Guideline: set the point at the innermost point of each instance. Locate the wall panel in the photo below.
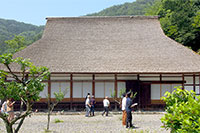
(120, 86)
(44, 93)
(109, 86)
(77, 90)
(99, 89)
(155, 91)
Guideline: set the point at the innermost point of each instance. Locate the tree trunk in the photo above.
(48, 120)
(19, 125)
(49, 113)
(21, 107)
(9, 128)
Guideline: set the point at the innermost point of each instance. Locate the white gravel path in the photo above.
(144, 123)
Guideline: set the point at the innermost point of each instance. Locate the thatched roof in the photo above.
(133, 44)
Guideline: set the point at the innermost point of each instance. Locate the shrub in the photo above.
(183, 111)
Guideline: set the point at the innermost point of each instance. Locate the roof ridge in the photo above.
(90, 17)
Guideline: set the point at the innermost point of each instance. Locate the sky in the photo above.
(35, 11)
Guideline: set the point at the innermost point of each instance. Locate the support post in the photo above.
(49, 87)
(194, 86)
(93, 85)
(160, 77)
(139, 102)
(116, 90)
(199, 84)
(71, 90)
(183, 81)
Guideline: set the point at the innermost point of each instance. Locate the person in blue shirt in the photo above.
(128, 111)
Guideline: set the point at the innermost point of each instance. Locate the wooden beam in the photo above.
(121, 72)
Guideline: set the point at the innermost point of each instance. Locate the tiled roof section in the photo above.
(131, 44)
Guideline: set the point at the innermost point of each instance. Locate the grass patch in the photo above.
(58, 121)
(47, 131)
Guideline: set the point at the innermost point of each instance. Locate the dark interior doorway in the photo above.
(143, 90)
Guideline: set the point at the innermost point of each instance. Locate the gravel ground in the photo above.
(144, 123)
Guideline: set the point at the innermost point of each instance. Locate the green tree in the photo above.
(10, 28)
(179, 20)
(25, 86)
(113, 95)
(183, 111)
(16, 44)
(51, 104)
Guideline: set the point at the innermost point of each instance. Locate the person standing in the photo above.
(10, 109)
(92, 102)
(87, 106)
(123, 110)
(4, 107)
(87, 95)
(128, 111)
(106, 105)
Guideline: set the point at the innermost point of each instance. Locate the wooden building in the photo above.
(96, 54)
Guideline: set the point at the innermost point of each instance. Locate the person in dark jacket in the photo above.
(128, 111)
(92, 102)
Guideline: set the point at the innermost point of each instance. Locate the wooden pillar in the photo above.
(183, 81)
(199, 84)
(160, 77)
(116, 90)
(194, 86)
(93, 85)
(139, 102)
(49, 87)
(71, 91)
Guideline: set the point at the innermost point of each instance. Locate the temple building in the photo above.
(101, 55)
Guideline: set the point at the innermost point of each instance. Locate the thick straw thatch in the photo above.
(133, 44)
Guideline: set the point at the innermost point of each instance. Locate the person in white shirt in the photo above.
(4, 107)
(87, 105)
(123, 110)
(106, 105)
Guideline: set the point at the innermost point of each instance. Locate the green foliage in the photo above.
(180, 20)
(26, 89)
(153, 9)
(60, 95)
(183, 111)
(11, 28)
(121, 92)
(25, 86)
(133, 95)
(16, 44)
(196, 23)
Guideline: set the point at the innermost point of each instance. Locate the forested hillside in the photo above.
(135, 8)
(10, 28)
